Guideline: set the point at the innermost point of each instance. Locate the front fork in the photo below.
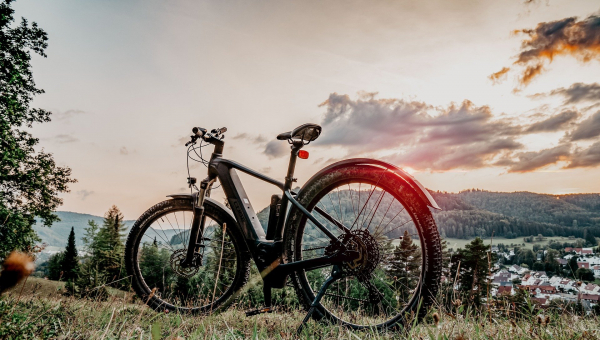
(198, 222)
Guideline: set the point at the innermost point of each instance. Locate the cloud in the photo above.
(533, 160)
(499, 76)
(576, 93)
(272, 149)
(589, 157)
(260, 139)
(65, 139)
(440, 138)
(436, 138)
(65, 115)
(441, 157)
(555, 123)
(569, 36)
(587, 129)
(276, 149)
(83, 194)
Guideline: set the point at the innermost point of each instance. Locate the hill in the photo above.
(465, 215)
(473, 213)
(56, 236)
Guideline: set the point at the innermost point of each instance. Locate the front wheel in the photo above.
(399, 269)
(157, 243)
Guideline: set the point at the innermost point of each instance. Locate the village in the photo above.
(543, 288)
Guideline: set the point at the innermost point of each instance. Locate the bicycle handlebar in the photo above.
(215, 135)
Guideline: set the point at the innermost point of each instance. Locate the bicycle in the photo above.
(347, 265)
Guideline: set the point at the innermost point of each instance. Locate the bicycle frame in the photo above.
(266, 250)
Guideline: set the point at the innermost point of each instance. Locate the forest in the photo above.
(474, 212)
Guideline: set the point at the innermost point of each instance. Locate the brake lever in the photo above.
(193, 141)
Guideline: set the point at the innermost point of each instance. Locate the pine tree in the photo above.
(105, 260)
(474, 270)
(90, 280)
(404, 266)
(54, 266)
(70, 262)
(109, 252)
(590, 239)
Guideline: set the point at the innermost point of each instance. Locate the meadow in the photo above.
(38, 309)
(460, 243)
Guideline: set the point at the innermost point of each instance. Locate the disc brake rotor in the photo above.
(175, 262)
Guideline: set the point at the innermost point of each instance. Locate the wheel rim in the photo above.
(163, 242)
(393, 285)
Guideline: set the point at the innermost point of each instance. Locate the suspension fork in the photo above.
(198, 222)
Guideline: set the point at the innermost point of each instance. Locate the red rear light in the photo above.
(303, 154)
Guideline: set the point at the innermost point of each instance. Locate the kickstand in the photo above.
(336, 273)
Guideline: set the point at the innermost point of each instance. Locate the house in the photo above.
(564, 283)
(502, 277)
(517, 269)
(593, 299)
(591, 260)
(541, 275)
(590, 288)
(579, 251)
(538, 290)
(587, 251)
(540, 301)
(583, 265)
(596, 271)
(562, 262)
(505, 290)
(568, 297)
(572, 285)
(555, 281)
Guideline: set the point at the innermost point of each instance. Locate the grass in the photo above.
(44, 313)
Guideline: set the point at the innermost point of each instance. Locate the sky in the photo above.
(496, 95)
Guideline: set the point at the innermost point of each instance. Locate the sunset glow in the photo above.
(443, 89)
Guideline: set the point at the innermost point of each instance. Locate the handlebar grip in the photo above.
(198, 131)
(221, 130)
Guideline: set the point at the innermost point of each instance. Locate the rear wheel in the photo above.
(400, 264)
(157, 243)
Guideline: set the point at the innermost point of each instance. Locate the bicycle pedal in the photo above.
(260, 311)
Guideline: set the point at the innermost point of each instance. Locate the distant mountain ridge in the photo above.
(472, 213)
(465, 214)
(56, 236)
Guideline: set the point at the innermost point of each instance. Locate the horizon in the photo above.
(459, 94)
(444, 192)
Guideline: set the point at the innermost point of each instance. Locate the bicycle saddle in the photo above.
(306, 132)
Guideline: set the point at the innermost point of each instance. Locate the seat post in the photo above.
(289, 179)
(277, 235)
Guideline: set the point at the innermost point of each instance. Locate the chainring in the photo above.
(175, 261)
